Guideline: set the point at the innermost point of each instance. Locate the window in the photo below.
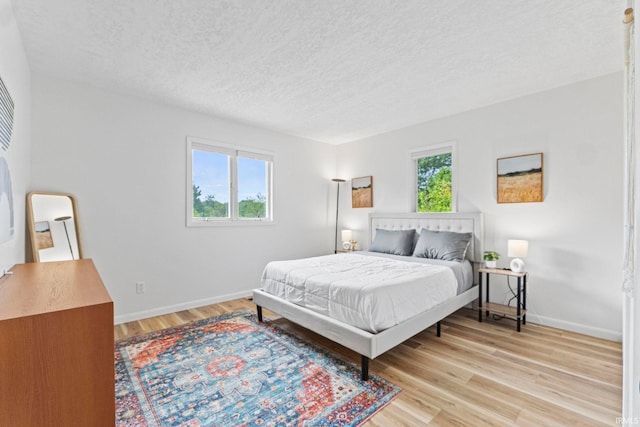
(226, 184)
(435, 178)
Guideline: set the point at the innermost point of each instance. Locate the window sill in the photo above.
(228, 223)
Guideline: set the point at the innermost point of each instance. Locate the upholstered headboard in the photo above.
(459, 222)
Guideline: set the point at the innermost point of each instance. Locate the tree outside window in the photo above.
(434, 183)
(435, 177)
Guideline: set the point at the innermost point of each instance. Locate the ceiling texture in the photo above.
(328, 70)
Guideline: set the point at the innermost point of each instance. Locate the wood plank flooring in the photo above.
(476, 374)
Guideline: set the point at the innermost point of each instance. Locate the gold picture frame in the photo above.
(362, 192)
(520, 179)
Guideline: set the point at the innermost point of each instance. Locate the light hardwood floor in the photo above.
(475, 374)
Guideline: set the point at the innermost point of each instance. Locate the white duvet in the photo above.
(370, 293)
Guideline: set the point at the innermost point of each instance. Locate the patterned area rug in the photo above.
(235, 371)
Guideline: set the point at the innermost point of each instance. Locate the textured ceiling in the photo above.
(328, 70)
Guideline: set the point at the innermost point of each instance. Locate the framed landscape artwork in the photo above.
(43, 235)
(362, 192)
(520, 179)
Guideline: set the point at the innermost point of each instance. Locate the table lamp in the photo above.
(347, 240)
(517, 249)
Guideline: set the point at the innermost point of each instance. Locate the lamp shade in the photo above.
(517, 248)
(347, 235)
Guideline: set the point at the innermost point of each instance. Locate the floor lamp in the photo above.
(338, 181)
(64, 222)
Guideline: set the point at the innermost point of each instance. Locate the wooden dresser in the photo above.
(56, 346)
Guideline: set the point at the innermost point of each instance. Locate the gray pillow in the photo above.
(397, 242)
(445, 245)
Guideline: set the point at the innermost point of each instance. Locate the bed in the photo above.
(313, 308)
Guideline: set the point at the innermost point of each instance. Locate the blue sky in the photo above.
(519, 163)
(211, 174)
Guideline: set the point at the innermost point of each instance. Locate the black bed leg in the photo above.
(259, 312)
(438, 328)
(365, 368)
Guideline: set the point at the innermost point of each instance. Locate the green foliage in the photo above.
(198, 207)
(253, 208)
(211, 208)
(491, 256)
(434, 183)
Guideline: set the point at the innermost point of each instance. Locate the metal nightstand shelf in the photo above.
(519, 312)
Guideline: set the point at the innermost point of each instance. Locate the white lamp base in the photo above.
(517, 265)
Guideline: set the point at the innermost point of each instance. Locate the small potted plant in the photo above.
(490, 258)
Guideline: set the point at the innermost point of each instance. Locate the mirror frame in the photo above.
(32, 226)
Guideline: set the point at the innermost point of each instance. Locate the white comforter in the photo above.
(370, 293)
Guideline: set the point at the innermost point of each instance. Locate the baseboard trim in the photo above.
(138, 315)
(575, 327)
(531, 317)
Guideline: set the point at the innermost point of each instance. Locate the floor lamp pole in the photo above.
(64, 219)
(335, 245)
(68, 240)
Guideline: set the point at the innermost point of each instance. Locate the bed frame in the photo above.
(370, 345)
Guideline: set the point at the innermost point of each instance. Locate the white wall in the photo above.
(575, 235)
(124, 159)
(14, 71)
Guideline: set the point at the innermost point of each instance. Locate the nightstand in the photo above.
(519, 312)
(344, 251)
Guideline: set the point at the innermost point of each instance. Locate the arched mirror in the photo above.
(53, 224)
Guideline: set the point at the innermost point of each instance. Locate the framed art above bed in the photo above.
(362, 192)
(520, 179)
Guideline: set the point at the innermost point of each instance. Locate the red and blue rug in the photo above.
(232, 370)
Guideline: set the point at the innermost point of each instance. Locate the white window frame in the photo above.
(434, 150)
(233, 152)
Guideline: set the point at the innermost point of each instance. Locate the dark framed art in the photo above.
(520, 178)
(362, 192)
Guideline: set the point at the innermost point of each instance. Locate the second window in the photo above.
(228, 184)
(435, 178)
